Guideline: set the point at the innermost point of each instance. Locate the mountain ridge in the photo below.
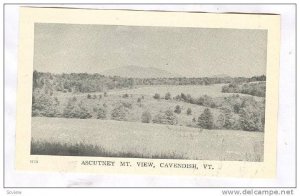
(133, 71)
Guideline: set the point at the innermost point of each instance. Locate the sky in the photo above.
(189, 52)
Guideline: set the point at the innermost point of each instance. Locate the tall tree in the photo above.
(206, 120)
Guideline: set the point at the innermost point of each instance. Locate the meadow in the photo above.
(105, 138)
(214, 90)
(94, 115)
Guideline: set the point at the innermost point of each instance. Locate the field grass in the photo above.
(148, 103)
(214, 90)
(193, 90)
(92, 137)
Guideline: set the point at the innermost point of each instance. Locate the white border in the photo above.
(286, 123)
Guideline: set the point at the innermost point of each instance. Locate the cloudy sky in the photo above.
(190, 52)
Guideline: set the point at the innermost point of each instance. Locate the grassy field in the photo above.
(133, 139)
(193, 90)
(148, 103)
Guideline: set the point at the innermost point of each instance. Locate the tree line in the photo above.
(86, 83)
(255, 89)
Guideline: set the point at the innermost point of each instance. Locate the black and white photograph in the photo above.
(148, 92)
(198, 96)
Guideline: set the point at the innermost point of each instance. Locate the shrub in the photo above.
(189, 99)
(139, 100)
(89, 96)
(189, 111)
(236, 108)
(73, 110)
(146, 117)
(250, 119)
(119, 113)
(105, 94)
(168, 96)
(177, 98)
(220, 121)
(94, 96)
(255, 89)
(100, 96)
(177, 109)
(229, 120)
(127, 105)
(156, 96)
(45, 105)
(166, 117)
(101, 113)
(125, 95)
(183, 96)
(205, 120)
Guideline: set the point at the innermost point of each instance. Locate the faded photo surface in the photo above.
(149, 92)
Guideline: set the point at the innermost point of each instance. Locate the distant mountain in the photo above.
(139, 72)
(220, 76)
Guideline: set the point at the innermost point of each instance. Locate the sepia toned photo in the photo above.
(148, 92)
(166, 93)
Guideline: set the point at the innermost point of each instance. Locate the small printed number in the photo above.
(34, 161)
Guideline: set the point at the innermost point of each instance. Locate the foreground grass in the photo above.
(80, 149)
(110, 138)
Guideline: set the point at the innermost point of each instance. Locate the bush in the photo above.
(220, 121)
(255, 89)
(100, 96)
(101, 113)
(168, 96)
(189, 111)
(199, 101)
(94, 96)
(127, 105)
(177, 98)
(205, 120)
(139, 100)
(166, 117)
(183, 96)
(105, 94)
(89, 96)
(229, 120)
(125, 95)
(177, 109)
(73, 110)
(156, 96)
(146, 117)
(45, 105)
(250, 119)
(119, 113)
(236, 108)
